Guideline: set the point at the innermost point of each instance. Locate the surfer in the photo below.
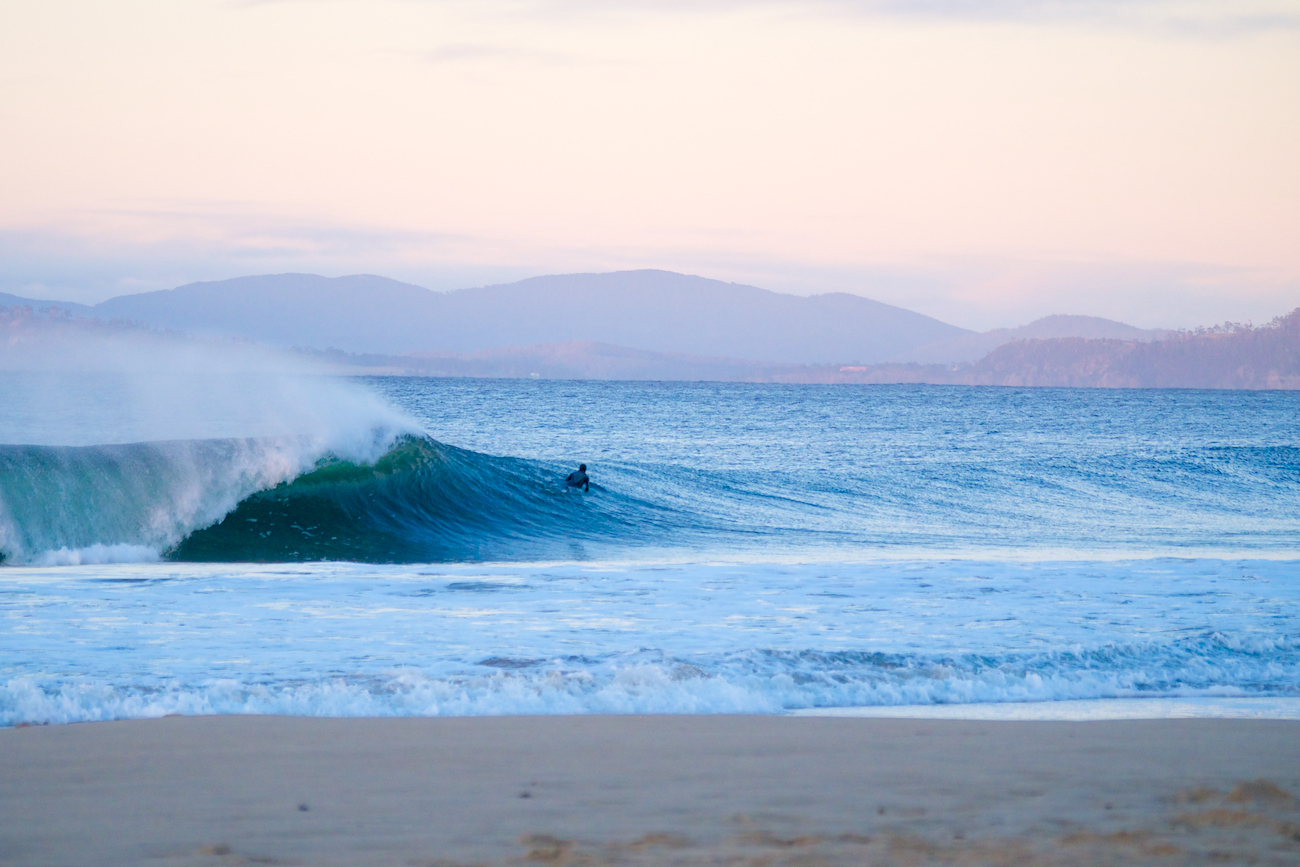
(579, 479)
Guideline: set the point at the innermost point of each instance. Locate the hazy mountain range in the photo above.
(727, 333)
(638, 311)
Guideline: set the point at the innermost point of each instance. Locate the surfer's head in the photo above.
(582, 468)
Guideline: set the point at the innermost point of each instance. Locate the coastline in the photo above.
(1082, 710)
(649, 789)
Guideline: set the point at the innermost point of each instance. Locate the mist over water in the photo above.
(71, 386)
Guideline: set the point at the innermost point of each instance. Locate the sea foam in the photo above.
(93, 555)
(354, 640)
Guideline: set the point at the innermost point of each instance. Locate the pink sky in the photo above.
(983, 162)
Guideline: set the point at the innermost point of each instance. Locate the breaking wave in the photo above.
(390, 497)
(754, 681)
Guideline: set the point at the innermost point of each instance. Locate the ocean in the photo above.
(408, 547)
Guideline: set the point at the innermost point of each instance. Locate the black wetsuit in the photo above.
(579, 479)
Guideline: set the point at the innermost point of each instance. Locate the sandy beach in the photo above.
(649, 790)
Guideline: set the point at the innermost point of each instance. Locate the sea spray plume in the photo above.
(211, 422)
(87, 382)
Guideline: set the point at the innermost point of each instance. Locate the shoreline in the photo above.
(1052, 710)
(703, 789)
(1081, 710)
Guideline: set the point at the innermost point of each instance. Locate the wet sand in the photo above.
(590, 790)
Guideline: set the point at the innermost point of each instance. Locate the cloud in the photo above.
(1178, 18)
(466, 52)
(109, 253)
(1198, 18)
(1174, 17)
(239, 226)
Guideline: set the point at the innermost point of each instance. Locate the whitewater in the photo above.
(404, 546)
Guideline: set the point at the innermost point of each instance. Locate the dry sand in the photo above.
(691, 790)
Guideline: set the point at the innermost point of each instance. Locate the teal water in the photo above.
(696, 470)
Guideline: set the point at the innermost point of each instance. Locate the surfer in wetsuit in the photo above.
(579, 479)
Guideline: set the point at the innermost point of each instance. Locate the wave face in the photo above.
(421, 502)
(272, 500)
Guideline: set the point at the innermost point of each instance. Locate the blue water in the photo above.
(906, 468)
(744, 547)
